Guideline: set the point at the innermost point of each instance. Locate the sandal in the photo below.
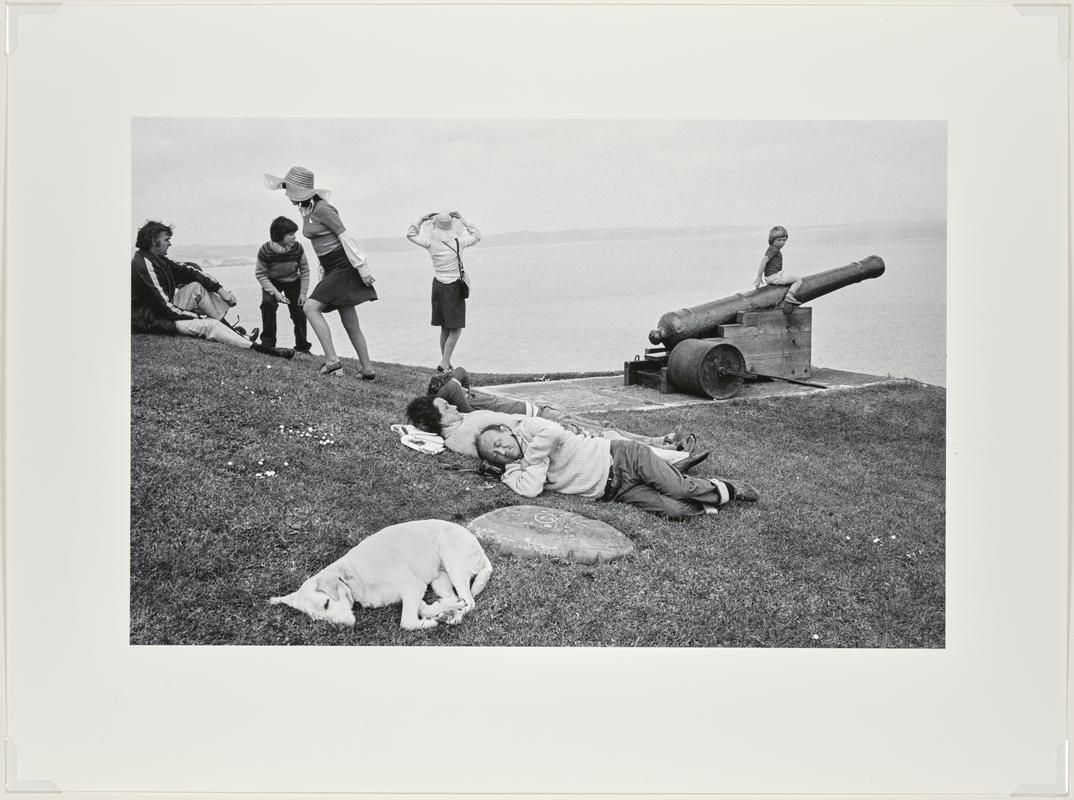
(673, 439)
(331, 369)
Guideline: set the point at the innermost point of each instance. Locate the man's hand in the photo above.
(757, 284)
(455, 214)
(227, 296)
(368, 280)
(281, 298)
(302, 299)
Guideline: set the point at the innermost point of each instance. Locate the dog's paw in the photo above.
(420, 625)
(451, 616)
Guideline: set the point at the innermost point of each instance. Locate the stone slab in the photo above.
(602, 394)
(538, 531)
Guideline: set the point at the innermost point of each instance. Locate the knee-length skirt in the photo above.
(341, 285)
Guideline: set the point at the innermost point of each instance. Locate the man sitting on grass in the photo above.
(455, 389)
(179, 300)
(535, 453)
(459, 431)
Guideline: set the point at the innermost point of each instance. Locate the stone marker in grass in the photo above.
(538, 531)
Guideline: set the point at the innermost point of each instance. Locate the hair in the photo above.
(280, 227)
(778, 232)
(487, 455)
(423, 413)
(148, 233)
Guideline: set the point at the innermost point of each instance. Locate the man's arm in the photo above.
(189, 274)
(528, 475)
(185, 274)
(146, 275)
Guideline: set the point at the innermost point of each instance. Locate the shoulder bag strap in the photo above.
(458, 253)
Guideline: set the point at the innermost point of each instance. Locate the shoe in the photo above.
(239, 330)
(304, 348)
(370, 377)
(443, 371)
(253, 335)
(279, 352)
(690, 461)
(335, 369)
(740, 490)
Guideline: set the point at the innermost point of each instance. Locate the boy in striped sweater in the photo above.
(284, 275)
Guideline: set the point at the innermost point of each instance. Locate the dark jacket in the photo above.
(154, 280)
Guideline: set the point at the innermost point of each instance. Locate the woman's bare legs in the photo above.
(349, 316)
(315, 314)
(449, 337)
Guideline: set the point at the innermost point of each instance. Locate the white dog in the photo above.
(396, 564)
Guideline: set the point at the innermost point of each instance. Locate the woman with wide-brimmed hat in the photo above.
(346, 281)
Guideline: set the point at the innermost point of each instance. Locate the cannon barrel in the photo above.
(699, 321)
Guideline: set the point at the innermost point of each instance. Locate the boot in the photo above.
(280, 352)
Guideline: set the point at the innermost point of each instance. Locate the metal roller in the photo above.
(714, 369)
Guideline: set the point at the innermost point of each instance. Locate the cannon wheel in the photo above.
(718, 371)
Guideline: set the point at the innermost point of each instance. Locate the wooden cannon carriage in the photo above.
(712, 349)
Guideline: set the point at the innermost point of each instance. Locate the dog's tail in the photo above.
(481, 579)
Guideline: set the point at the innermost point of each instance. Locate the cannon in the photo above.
(711, 349)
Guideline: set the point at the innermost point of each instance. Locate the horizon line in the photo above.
(648, 228)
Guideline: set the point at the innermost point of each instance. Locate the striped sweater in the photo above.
(562, 461)
(286, 267)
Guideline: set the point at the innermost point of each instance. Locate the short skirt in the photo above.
(341, 285)
(449, 306)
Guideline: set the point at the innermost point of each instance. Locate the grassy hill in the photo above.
(248, 474)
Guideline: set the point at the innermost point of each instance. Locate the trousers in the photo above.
(212, 329)
(269, 304)
(640, 478)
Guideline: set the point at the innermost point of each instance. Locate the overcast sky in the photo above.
(205, 175)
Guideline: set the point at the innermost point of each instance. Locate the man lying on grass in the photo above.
(535, 453)
(459, 431)
(455, 389)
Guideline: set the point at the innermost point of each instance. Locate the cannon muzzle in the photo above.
(700, 321)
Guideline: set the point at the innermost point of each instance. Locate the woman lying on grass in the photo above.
(455, 390)
(459, 430)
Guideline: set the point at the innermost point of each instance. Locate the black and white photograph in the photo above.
(536, 399)
(630, 383)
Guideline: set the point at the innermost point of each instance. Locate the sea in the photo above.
(573, 301)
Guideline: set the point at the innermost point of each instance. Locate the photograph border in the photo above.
(17, 785)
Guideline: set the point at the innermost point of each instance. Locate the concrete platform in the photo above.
(581, 395)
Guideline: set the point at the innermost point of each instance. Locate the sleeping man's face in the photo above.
(499, 446)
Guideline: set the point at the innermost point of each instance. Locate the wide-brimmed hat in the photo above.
(297, 184)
